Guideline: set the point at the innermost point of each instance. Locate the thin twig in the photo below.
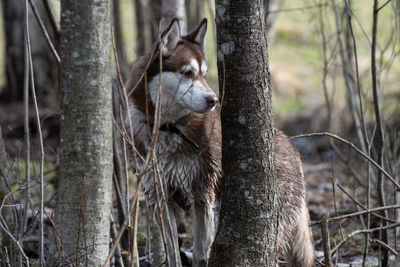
(382, 244)
(359, 204)
(334, 197)
(395, 183)
(21, 250)
(119, 194)
(333, 251)
(44, 32)
(348, 78)
(145, 69)
(118, 256)
(122, 229)
(364, 128)
(131, 210)
(52, 19)
(325, 67)
(61, 248)
(382, 6)
(358, 213)
(39, 129)
(298, 8)
(134, 252)
(26, 117)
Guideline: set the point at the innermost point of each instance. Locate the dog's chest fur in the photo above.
(177, 168)
(187, 173)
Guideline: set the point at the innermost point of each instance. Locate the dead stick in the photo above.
(326, 240)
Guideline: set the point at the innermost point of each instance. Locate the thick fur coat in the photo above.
(188, 150)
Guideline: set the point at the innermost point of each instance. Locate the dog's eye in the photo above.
(188, 73)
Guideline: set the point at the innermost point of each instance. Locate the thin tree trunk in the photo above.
(379, 140)
(248, 219)
(143, 27)
(271, 8)
(13, 20)
(84, 194)
(45, 67)
(194, 12)
(118, 37)
(171, 9)
(155, 19)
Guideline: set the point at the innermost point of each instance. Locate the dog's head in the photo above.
(184, 69)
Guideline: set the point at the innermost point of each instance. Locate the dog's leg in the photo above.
(203, 236)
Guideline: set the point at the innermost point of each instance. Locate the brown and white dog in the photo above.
(188, 149)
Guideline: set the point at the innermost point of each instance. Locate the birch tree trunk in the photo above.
(86, 163)
(248, 218)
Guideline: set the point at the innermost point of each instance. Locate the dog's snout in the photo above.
(212, 100)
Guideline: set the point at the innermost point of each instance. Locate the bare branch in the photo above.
(44, 32)
(355, 148)
(52, 19)
(333, 251)
(358, 213)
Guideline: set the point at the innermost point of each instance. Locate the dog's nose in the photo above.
(212, 100)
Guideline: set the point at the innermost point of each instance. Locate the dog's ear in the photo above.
(170, 37)
(198, 34)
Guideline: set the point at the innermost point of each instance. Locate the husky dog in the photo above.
(188, 149)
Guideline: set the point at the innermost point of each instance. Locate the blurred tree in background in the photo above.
(45, 66)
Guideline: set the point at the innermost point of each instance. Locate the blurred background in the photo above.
(304, 51)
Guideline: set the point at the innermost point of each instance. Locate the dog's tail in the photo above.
(301, 253)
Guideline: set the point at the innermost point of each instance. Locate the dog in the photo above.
(188, 149)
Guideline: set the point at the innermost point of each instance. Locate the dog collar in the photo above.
(170, 127)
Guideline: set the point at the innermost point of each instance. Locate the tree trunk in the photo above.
(379, 139)
(271, 8)
(155, 19)
(45, 67)
(84, 194)
(171, 9)
(194, 12)
(119, 40)
(248, 219)
(143, 27)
